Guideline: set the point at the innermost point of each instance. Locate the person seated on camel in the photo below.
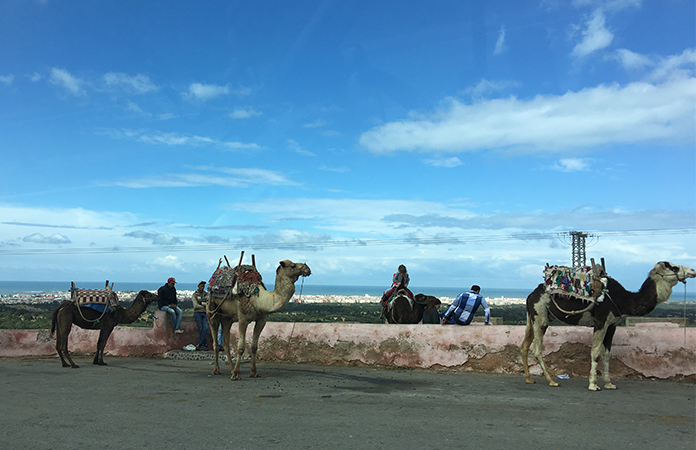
(400, 280)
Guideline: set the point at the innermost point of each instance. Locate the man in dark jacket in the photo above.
(167, 303)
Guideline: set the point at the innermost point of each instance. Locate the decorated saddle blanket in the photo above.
(585, 282)
(245, 277)
(98, 299)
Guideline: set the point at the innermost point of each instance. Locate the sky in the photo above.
(463, 139)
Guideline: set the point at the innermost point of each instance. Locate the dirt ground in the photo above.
(158, 403)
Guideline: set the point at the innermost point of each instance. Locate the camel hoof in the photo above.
(609, 386)
(66, 365)
(594, 387)
(75, 366)
(553, 384)
(529, 381)
(254, 375)
(216, 371)
(235, 378)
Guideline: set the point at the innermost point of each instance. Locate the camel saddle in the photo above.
(586, 283)
(246, 278)
(99, 299)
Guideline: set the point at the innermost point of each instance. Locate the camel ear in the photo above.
(282, 264)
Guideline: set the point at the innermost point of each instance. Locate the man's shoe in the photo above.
(178, 331)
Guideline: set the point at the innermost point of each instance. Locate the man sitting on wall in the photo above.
(463, 308)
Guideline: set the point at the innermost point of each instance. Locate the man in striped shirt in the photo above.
(463, 308)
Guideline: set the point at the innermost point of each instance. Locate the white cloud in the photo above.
(613, 114)
(35, 77)
(241, 145)
(316, 124)
(6, 79)
(486, 87)
(341, 169)
(159, 137)
(133, 107)
(64, 79)
(595, 36)
(444, 162)
(675, 67)
(631, 60)
(500, 43)
(240, 178)
(297, 148)
(205, 92)
(54, 239)
(572, 165)
(137, 84)
(169, 262)
(244, 113)
(156, 238)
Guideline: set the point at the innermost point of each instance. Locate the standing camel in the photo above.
(603, 317)
(234, 306)
(68, 313)
(403, 310)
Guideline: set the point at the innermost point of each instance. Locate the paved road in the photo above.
(173, 404)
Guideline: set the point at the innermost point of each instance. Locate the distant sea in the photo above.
(28, 287)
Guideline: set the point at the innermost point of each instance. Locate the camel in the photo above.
(403, 311)
(67, 314)
(603, 317)
(234, 306)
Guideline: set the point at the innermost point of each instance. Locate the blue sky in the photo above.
(143, 140)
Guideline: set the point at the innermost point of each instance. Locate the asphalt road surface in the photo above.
(170, 404)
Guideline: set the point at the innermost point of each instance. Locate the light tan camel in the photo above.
(224, 310)
(603, 317)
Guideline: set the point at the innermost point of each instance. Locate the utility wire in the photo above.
(339, 243)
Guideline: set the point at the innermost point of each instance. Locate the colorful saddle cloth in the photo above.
(586, 282)
(98, 299)
(246, 277)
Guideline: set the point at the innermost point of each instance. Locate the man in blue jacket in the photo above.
(463, 308)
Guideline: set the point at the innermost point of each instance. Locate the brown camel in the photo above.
(236, 307)
(603, 317)
(67, 314)
(403, 311)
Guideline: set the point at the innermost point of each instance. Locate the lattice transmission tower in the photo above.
(578, 242)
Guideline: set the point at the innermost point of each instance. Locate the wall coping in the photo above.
(644, 351)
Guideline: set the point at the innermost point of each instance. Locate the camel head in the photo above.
(672, 273)
(293, 270)
(147, 296)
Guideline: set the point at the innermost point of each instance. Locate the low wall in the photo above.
(646, 350)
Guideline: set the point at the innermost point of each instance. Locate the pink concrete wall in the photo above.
(642, 351)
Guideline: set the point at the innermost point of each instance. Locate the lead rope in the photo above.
(292, 331)
(684, 314)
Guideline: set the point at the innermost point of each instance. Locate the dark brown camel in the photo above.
(403, 311)
(67, 314)
(543, 307)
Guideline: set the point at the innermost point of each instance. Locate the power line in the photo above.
(340, 243)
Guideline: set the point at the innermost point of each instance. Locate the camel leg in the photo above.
(62, 333)
(597, 350)
(538, 347)
(526, 343)
(258, 328)
(226, 326)
(104, 334)
(214, 323)
(606, 356)
(241, 340)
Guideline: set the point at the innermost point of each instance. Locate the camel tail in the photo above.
(54, 319)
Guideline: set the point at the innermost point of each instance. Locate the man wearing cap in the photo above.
(167, 303)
